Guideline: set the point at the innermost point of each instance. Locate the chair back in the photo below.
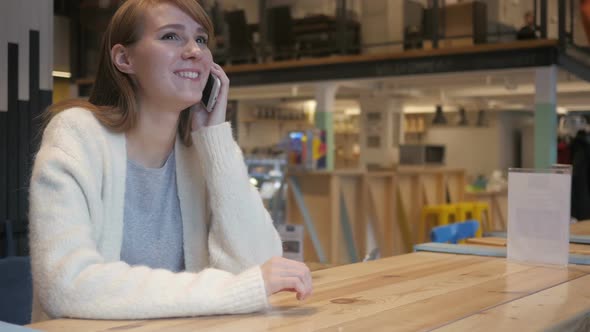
(16, 284)
(453, 233)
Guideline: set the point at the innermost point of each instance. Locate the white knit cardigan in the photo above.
(77, 201)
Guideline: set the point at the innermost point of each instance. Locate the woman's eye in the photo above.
(170, 36)
(201, 40)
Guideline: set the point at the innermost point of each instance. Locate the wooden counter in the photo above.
(343, 204)
(418, 291)
(498, 202)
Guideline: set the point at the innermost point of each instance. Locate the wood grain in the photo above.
(561, 308)
(418, 291)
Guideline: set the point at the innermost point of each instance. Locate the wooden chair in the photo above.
(443, 214)
(467, 211)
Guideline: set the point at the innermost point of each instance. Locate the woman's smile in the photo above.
(188, 75)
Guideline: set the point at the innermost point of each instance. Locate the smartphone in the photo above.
(211, 92)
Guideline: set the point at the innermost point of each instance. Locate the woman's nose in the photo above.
(192, 50)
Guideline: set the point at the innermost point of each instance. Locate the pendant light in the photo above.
(439, 116)
(462, 118)
(482, 120)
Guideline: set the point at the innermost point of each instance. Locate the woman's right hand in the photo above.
(281, 274)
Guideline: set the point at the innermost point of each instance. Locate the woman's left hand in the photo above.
(201, 117)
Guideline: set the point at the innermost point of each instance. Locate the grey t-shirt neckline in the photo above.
(152, 231)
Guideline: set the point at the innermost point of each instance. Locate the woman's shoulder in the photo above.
(77, 122)
(74, 117)
(78, 131)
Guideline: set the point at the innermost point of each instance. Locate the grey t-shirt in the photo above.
(152, 232)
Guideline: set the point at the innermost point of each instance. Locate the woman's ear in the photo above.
(120, 58)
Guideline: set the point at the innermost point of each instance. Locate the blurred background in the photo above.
(467, 88)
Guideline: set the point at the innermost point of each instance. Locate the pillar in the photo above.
(325, 94)
(545, 117)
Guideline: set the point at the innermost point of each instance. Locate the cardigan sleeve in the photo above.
(71, 277)
(241, 234)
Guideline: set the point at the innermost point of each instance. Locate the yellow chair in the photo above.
(481, 212)
(444, 214)
(467, 211)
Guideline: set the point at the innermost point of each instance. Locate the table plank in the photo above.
(580, 249)
(452, 306)
(564, 307)
(410, 292)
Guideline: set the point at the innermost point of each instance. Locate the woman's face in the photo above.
(171, 61)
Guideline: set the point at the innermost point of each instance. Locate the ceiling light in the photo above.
(62, 74)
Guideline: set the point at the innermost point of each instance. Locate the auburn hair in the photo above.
(113, 99)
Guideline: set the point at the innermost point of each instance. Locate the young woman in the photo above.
(140, 201)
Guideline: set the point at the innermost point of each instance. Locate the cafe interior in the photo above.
(426, 159)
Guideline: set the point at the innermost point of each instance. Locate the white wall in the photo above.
(480, 150)
(510, 125)
(474, 148)
(17, 17)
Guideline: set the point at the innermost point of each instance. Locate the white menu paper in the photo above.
(538, 215)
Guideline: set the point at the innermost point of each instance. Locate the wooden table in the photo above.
(580, 249)
(579, 232)
(417, 291)
(581, 228)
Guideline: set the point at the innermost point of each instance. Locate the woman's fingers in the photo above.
(282, 274)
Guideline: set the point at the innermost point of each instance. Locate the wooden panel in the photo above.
(316, 191)
(379, 214)
(336, 254)
(391, 201)
(431, 191)
(352, 189)
(498, 202)
(418, 291)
